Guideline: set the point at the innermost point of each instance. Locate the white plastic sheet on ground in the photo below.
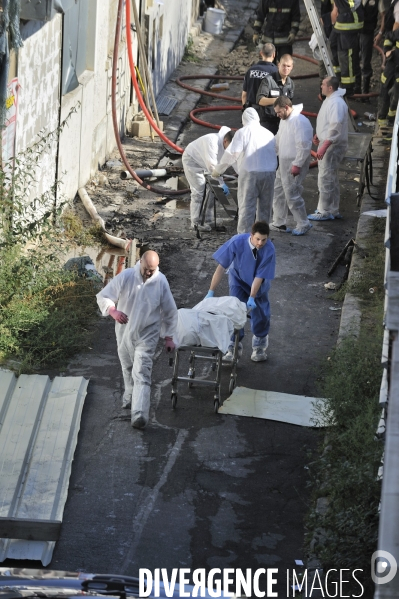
(210, 323)
(270, 405)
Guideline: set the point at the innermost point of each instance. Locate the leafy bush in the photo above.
(44, 310)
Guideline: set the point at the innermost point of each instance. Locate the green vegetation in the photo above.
(45, 310)
(189, 53)
(346, 469)
(77, 233)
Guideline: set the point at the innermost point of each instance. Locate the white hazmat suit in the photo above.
(253, 147)
(152, 314)
(293, 145)
(331, 125)
(201, 156)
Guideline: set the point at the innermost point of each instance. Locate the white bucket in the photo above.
(214, 20)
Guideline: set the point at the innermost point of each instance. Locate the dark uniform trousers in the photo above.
(389, 92)
(349, 61)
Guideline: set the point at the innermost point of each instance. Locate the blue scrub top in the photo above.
(237, 254)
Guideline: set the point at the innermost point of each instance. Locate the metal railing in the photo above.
(388, 537)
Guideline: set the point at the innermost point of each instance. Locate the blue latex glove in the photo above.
(251, 303)
(225, 188)
(209, 294)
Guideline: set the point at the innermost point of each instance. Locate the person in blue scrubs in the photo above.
(251, 260)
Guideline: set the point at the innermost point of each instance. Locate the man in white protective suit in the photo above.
(253, 147)
(332, 141)
(293, 145)
(201, 156)
(145, 312)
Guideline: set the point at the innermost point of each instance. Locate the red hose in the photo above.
(136, 85)
(160, 190)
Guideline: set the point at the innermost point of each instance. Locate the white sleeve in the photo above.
(168, 312)
(232, 153)
(303, 142)
(108, 296)
(396, 12)
(211, 154)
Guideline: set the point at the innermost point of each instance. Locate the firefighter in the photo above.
(347, 18)
(389, 93)
(278, 21)
(367, 40)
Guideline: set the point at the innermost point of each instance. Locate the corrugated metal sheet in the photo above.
(39, 425)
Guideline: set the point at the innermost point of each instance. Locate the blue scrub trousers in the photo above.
(260, 316)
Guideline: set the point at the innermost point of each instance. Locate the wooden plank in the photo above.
(30, 530)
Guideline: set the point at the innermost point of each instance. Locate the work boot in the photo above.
(229, 355)
(259, 354)
(126, 403)
(204, 227)
(138, 421)
(281, 228)
(302, 230)
(319, 216)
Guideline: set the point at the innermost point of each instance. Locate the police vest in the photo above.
(275, 89)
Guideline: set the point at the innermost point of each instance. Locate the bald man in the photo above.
(145, 311)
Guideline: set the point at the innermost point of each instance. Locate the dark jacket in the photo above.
(349, 19)
(370, 16)
(391, 38)
(253, 79)
(273, 88)
(278, 18)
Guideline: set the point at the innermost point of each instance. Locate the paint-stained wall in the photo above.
(38, 96)
(88, 139)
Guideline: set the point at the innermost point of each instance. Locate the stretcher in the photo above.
(210, 354)
(205, 333)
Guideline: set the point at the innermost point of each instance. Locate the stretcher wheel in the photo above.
(232, 384)
(216, 405)
(173, 397)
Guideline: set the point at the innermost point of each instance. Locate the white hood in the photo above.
(296, 109)
(250, 116)
(339, 92)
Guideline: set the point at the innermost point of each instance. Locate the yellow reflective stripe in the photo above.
(351, 3)
(285, 10)
(276, 40)
(397, 44)
(258, 24)
(383, 78)
(348, 26)
(351, 73)
(355, 17)
(337, 69)
(397, 80)
(280, 10)
(294, 23)
(391, 112)
(387, 43)
(272, 9)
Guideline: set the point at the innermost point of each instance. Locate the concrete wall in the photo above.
(38, 96)
(88, 139)
(169, 27)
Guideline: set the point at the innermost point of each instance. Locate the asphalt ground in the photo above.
(195, 489)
